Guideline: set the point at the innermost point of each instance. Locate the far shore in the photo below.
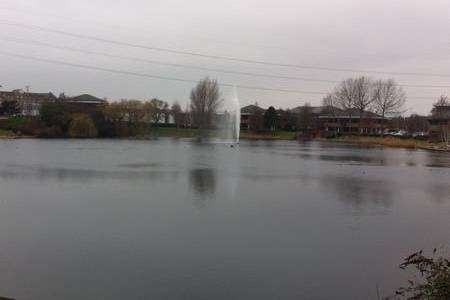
(393, 142)
(388, 141)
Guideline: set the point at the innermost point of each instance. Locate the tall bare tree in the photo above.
(177, 114)
(271, 119)
(156, 109)
(388, 98)
(329, 103)
(354, 94)
(205, 100)
(305, 118)
(343, 95)
(443, 101)
(165, 110)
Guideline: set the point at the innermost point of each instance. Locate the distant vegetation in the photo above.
(119, 119)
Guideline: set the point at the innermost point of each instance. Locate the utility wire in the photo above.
(124, 72)
(210, 56)
(133, 30)
(43, 44)
(137, 59)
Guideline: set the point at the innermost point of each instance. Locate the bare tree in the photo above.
(343, 95)
(442, 102)
(177, 114)
(165, 110)
(441, 111)
(271, 119)
(205, 100)
(354, 93)
(156, 109)
(388, 98)
(305, 118)
(329, 104)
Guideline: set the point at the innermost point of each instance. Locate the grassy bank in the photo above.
(192, 133)
(390, 141)
(6, 133)
(174, 132)
(245, 134)
(275, 135)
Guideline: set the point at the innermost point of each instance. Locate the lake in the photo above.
(172, 219)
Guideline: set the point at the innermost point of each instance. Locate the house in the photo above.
(252, 117)
(330, 119)
(85, 101)
(335, 120)
(317, 120)
(29, 103)
(440, 121)
(315, 110)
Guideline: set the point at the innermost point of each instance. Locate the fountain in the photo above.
(229, 121)
(237, 117)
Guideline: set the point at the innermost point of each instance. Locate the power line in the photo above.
(137, 59)
(43, 44)
(124, 72)
(133, 30)
(210, 56)
(129, 29)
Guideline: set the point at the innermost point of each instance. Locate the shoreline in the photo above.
(391, 142)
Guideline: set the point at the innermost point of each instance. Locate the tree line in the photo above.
(134, 117)
(125, 118)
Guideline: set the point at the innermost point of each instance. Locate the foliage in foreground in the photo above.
(432, 280)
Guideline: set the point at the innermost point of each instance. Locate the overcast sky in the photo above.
(406, 36)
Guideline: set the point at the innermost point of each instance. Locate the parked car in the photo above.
(396, 133)
(420, 134)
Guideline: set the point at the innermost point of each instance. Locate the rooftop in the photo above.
(86, 98)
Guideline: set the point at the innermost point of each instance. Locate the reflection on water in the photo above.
(342, 158)
(363, 195)
(42, 173)
(437, 160)
(121, 219)
(203, 182)
(141, 165)
(439, 192)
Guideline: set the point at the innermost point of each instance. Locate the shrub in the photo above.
(22, 125)
(432, 281)
(82, 126)
(55, 114)
(50, 132)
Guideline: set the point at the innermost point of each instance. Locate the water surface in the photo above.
(171, 219)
